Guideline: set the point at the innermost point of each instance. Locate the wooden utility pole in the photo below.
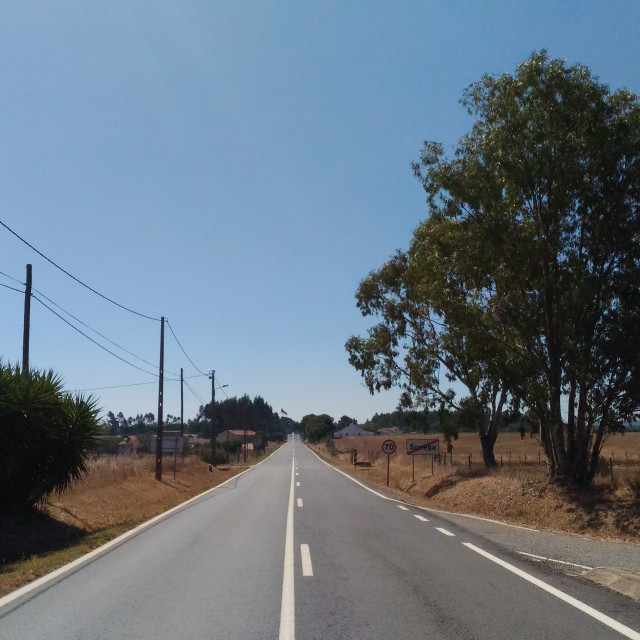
(213, 407)
(160, 403)
(181, 403)
(27, 322)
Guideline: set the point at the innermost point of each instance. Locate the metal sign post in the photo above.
(388, 447)
(422, 447)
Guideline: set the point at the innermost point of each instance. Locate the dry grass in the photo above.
(518, 492)
(116, 495)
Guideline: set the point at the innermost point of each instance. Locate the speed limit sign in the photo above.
(388, 447)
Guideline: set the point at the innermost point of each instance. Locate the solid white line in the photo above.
(402, 507)
(299, 502)
(590, 611)
(417, 506)
(421, 518)
(305, 554)
(14, 595)
(466, 515)
(446, 533)
(288, 606)
(572, 564)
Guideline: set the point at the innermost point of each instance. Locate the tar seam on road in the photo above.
(288, 607)
(590, 611)
(571, 564)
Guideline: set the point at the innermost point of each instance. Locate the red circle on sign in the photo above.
(389, 447)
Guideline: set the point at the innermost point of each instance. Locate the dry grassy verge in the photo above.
(518, 492)
(116, 495)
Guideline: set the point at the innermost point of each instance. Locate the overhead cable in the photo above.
(57, 266)
(182, 349)
(12, 288)
(115, 355)
(84, 324)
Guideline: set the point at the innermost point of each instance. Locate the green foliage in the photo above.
(45, 436)
(241, 413)
(537, 217)
(524, 282)
(315, 427)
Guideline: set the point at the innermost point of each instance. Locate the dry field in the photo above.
(518, 492)
(117, 494)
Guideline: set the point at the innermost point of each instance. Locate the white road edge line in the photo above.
(417, 506)
(572, 564)
(446, 533)
(288, 606)
(421, 518)
(590, 611)
(299, 502)
(78, 562)
(307, 567)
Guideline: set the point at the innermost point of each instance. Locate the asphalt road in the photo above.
(295, 549)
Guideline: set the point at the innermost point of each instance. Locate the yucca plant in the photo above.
(45, 436)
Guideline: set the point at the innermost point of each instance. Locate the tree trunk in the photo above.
(489, 459)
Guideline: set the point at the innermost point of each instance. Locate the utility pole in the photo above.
(160, 403)
(213, 407)
(27, 322)
(181, 403)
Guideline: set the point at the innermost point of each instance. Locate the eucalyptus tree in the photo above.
(544, 191)
(429, 331)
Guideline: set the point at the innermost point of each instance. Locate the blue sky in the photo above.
(238, 167)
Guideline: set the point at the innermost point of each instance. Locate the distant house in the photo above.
(235, 435)
(352, 430)
(172, 442)
(389, 431)
(128, 446)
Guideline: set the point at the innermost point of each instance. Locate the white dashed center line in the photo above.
(299, 502)
(421, 518)
(402, 507)
(305, 554)
(446, 533)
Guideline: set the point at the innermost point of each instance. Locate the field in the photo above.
(518, 492)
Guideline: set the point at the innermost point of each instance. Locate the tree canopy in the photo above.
(523, 281)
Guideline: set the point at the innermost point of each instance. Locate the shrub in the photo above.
(45, 436)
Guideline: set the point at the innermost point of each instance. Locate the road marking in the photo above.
(446, 533)
(421, 518)
(572, 564)
(32, 586)
(299, 502)
(297, 474)
(297, 484)
(288, 606)
(590, 611)
(401, 506)
(305, 554)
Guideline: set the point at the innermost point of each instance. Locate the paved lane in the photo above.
(381, 572)
(211, 570)
(295, 549)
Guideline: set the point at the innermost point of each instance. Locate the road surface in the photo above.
(295, 549)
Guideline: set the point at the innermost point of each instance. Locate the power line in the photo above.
(202, 402)
(115, 355)
(57, 266)
(182, 349)
(6, 286)
(84, 324)
(6, 275)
